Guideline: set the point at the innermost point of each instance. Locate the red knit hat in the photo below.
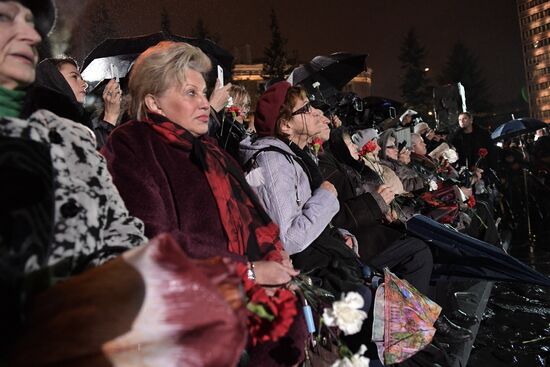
(268, 108)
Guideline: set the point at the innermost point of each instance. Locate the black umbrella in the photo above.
(463, 256)
(380, 109)
(114, 56)
(331, 72)
(517, 127)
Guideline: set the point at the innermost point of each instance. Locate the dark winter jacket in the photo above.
(410, 179)
(162, 186)
(359, 212)
(468, 145)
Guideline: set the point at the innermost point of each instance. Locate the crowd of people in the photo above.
(288, 191)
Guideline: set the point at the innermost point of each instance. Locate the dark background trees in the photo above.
(415, 86)
(463, 66)
(275, 53)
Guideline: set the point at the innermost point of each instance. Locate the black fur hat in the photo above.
(44, 12)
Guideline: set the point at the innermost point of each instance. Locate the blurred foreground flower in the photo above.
(346, 314)
(356, 360)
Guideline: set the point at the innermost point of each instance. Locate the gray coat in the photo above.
(283, 188)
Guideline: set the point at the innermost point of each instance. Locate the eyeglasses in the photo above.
(305, 109)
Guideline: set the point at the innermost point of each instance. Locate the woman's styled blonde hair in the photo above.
(158, 68)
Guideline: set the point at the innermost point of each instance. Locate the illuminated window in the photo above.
(531, 4)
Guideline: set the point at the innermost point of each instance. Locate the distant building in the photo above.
(250, 76)
(534, 22)
(361, 84)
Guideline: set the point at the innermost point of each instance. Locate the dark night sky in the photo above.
(489, 28)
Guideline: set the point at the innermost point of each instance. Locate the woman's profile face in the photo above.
(186, 105)
(307, 120)
(391, 148)
(353, 149)
(18, 40)
(75, 81)
(243, 103)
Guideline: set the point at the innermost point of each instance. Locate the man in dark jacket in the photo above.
(469, 139)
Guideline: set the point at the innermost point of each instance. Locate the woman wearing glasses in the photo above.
(397, 157)
(286, 178)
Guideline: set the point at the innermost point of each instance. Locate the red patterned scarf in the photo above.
(249, 229)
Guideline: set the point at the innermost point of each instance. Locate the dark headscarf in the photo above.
(340, 150)
(52, 92)
(383, 142)
(44, 13)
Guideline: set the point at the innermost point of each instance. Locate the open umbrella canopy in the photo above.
(114, 57)
(517, 127)
(331, 72)
(381, 108)
(464, 256)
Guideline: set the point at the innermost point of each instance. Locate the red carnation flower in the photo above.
(429, 198)
(317, 145)
(483, 152)
(450, 216)
(269, 317)
(368, 148)
(471, 201)
(234, 109)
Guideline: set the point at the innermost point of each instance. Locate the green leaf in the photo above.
(260, 310)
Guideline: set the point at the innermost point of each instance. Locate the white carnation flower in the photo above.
(346, 313)
(229, 102)
(433, 185)
(450, 155)
(357, 360)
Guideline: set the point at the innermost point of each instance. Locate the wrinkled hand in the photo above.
(387, 194)
(404, 156)
(430, 134)
(336, 122)
(477, 175)
(112, 97)
(391, 215)
(219, 96)
(273, 273)
(286, 259)
(329, 187)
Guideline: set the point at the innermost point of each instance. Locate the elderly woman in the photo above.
(370, 157)
(283, 173)
(233, 128)
(397, 159)
(60, 212)
(90, 222)
(177, 180)
(362, 213)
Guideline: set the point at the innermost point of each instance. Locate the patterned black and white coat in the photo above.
(91, 223)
